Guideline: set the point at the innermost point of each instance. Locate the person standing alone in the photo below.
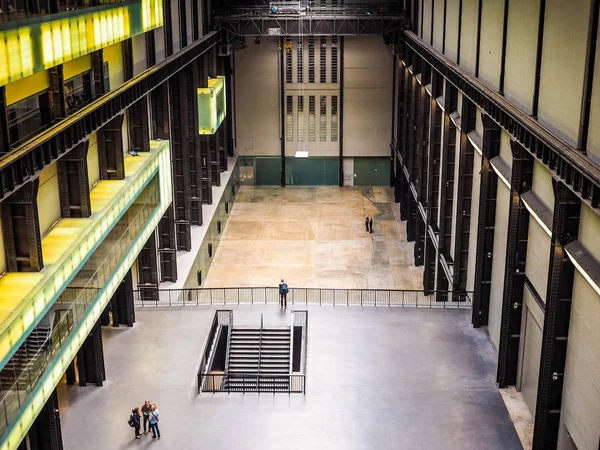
(367, 223)
(371, 225)
(283, 291)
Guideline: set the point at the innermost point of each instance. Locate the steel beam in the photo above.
(147, 270)
(555, 334)
(167, 246)
(564, 161)
(514, 278)
(485, 226)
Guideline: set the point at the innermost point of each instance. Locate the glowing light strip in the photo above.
(33, 47)
(537, 218)
(582, 271)
(51, 378)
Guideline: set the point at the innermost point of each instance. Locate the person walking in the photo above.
(371, 225)
(134, 421)
(367, 223)
(154, 419)
(283, 291)
(146, 408)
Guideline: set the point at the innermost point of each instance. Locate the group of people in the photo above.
(150, 415)
(369, 224)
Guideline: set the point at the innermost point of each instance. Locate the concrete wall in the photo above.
(257, 110)
(138, 44)
(531, 343)
(113, 55)
(474, 219)
(468, 35)
(367, 97)
(490, 51)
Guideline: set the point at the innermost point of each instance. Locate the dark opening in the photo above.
(297, 350)
(220, 352)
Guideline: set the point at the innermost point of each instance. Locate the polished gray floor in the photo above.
(377, 378)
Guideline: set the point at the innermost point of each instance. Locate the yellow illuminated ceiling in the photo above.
(33, 47)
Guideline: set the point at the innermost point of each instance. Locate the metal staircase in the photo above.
(259, 360)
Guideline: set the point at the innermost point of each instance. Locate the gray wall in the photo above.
(257, 99)
(368, 86)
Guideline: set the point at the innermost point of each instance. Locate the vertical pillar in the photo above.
(341, 111)
(73, 183)
(195, 161)
(555, 335)
(45, 433)
(139, 126)
(56, 93)
(514, 278)
(180, 152)
(127, 52)
(207, 143)
(282, 107)
(4, 129)
(485, 227)
(90, 359)
(147, 270)
(21, 229)
(463, 198)
(167, 249)
(214, 146)
(110, 150)
(230, 116)
(124, 301)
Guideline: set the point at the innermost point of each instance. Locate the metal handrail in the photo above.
(261, 379)
(209, 342)
(305, 296)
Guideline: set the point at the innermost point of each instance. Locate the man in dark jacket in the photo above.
(367, 223)
(283, 290)
(371, 225)
(135, 420)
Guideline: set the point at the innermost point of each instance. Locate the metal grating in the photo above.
(334, 59)
(311, 119)
(311, 59)
(323, 61)
(323, 118)
(289, 119)
(334, 118)
(300, 118)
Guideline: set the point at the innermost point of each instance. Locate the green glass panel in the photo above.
(372, 171)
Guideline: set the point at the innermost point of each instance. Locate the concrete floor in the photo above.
(315, 237)
(377, 378)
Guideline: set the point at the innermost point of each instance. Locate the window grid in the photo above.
(323, 61)
(311, 60)
(301, 118)
(288, 65)
(300, 62)
(323, 119)
(311, 119)
(334, 118)
(289, 119)
(334, 60)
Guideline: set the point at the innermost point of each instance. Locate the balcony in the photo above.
(33, 45)
(88, 258)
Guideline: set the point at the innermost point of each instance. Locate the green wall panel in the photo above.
(267, 171)
(371, 171)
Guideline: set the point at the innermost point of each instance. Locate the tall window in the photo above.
(300, 118)
(78, 91)
(334, 118)
(300, 61)
(289, 119)
(311, 59)
(334, 60)
(323, 61)
(323, 118)
(24, 119)
(311, 119)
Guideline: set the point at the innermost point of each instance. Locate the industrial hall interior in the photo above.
(300, 224)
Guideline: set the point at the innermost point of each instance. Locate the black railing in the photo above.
(304, 296)
(223, 317)
(251, 382)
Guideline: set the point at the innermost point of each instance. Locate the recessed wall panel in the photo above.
(521, 46)
(452, 14)
(426, 14)
(438, 24)
(593, 144)
(93, 165)
(490, 52)
(498, 262)
(48, 199)
(563, 66)
(581, 391)
(468, 34)
(538, 257)
(532, 347)
(542, 184)
(474, 220)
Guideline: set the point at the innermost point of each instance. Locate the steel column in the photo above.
(110, 150)
(565, 229)
(282, 108)
(147, 270)
(139, 126)
(167, 248)
(485, 226)
(341, 111)
(73, 183)
(514, 278)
